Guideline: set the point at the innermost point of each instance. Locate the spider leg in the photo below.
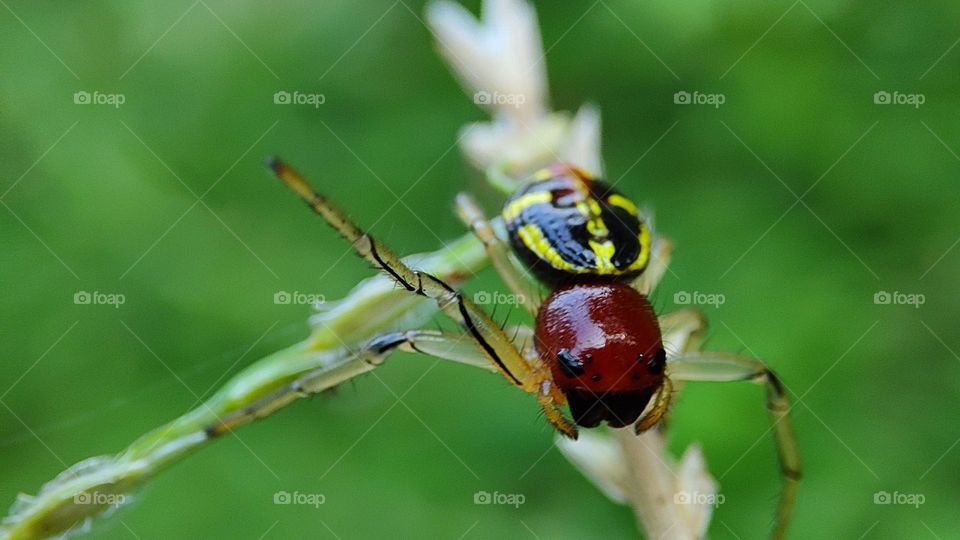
(660, 406)
(522, 286)
(660, 256)
(723, 367)
(683, 330)
(489, 337)
(446, 345)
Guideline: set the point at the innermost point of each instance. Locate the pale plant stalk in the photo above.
(502, 53)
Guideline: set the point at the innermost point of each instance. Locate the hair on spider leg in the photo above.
(493, 312)
(526, 344)
(493, 317)
(506, 318)
(541, 419)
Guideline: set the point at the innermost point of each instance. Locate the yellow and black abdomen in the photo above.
(566, 225)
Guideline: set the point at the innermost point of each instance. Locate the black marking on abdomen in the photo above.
(564, 228)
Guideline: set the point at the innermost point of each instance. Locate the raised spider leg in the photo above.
(522, 286)
(724, 367)
(499, 350)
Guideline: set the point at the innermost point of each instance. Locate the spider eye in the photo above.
(656, 364)
(569, 364)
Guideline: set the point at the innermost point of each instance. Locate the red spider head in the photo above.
(603, 345)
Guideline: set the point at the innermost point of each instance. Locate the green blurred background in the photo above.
(92, 202)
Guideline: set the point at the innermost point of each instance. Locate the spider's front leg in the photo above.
(725, 367)
(529, 375)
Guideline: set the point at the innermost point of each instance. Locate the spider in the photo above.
(598, 344)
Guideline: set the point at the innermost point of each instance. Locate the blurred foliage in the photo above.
(105, 199)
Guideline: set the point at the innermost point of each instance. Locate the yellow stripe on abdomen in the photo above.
(513, 210)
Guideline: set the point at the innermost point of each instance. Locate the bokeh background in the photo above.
(102, 198)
